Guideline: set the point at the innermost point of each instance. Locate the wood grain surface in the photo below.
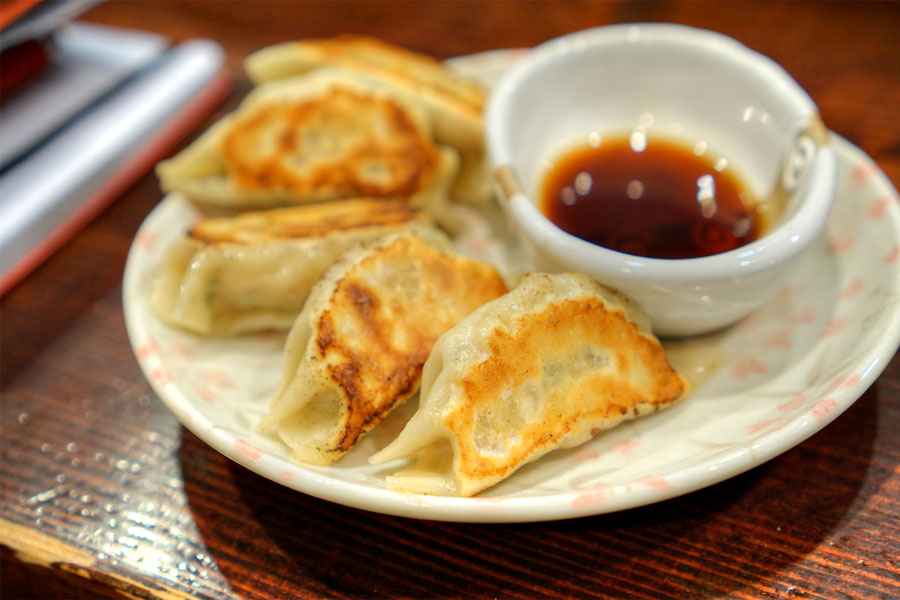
(105, 494)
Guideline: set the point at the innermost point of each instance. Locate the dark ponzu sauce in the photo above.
(661, 202)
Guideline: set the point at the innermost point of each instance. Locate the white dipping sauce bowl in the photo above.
(679, 83)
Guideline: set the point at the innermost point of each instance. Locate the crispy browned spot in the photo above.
(604, 393)
(375, 340)
(342, 145)
(309, 221)
(325, 338)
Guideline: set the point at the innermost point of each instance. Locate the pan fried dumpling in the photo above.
(330, 135)
(357, 349)
(546, 366)
(253, 272)
(455, 104)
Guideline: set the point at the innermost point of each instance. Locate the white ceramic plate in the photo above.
(785, 372)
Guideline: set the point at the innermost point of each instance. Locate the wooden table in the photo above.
(105, 494)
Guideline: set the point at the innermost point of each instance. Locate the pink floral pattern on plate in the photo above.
(788, 370)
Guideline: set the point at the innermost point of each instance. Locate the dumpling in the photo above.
(253, 272)
(357, 349)
(329, 135)
(548, 365)
(455, 104)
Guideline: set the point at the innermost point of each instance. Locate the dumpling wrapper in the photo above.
(548, 365)
(357, 349)
(329, 135)
(253, 272)
(454, 104)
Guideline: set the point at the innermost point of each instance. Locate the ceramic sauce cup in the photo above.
(735, 107)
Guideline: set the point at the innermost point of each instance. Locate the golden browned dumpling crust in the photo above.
(357, 350)
(328, 135)
(604, 369)
(345, 144)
